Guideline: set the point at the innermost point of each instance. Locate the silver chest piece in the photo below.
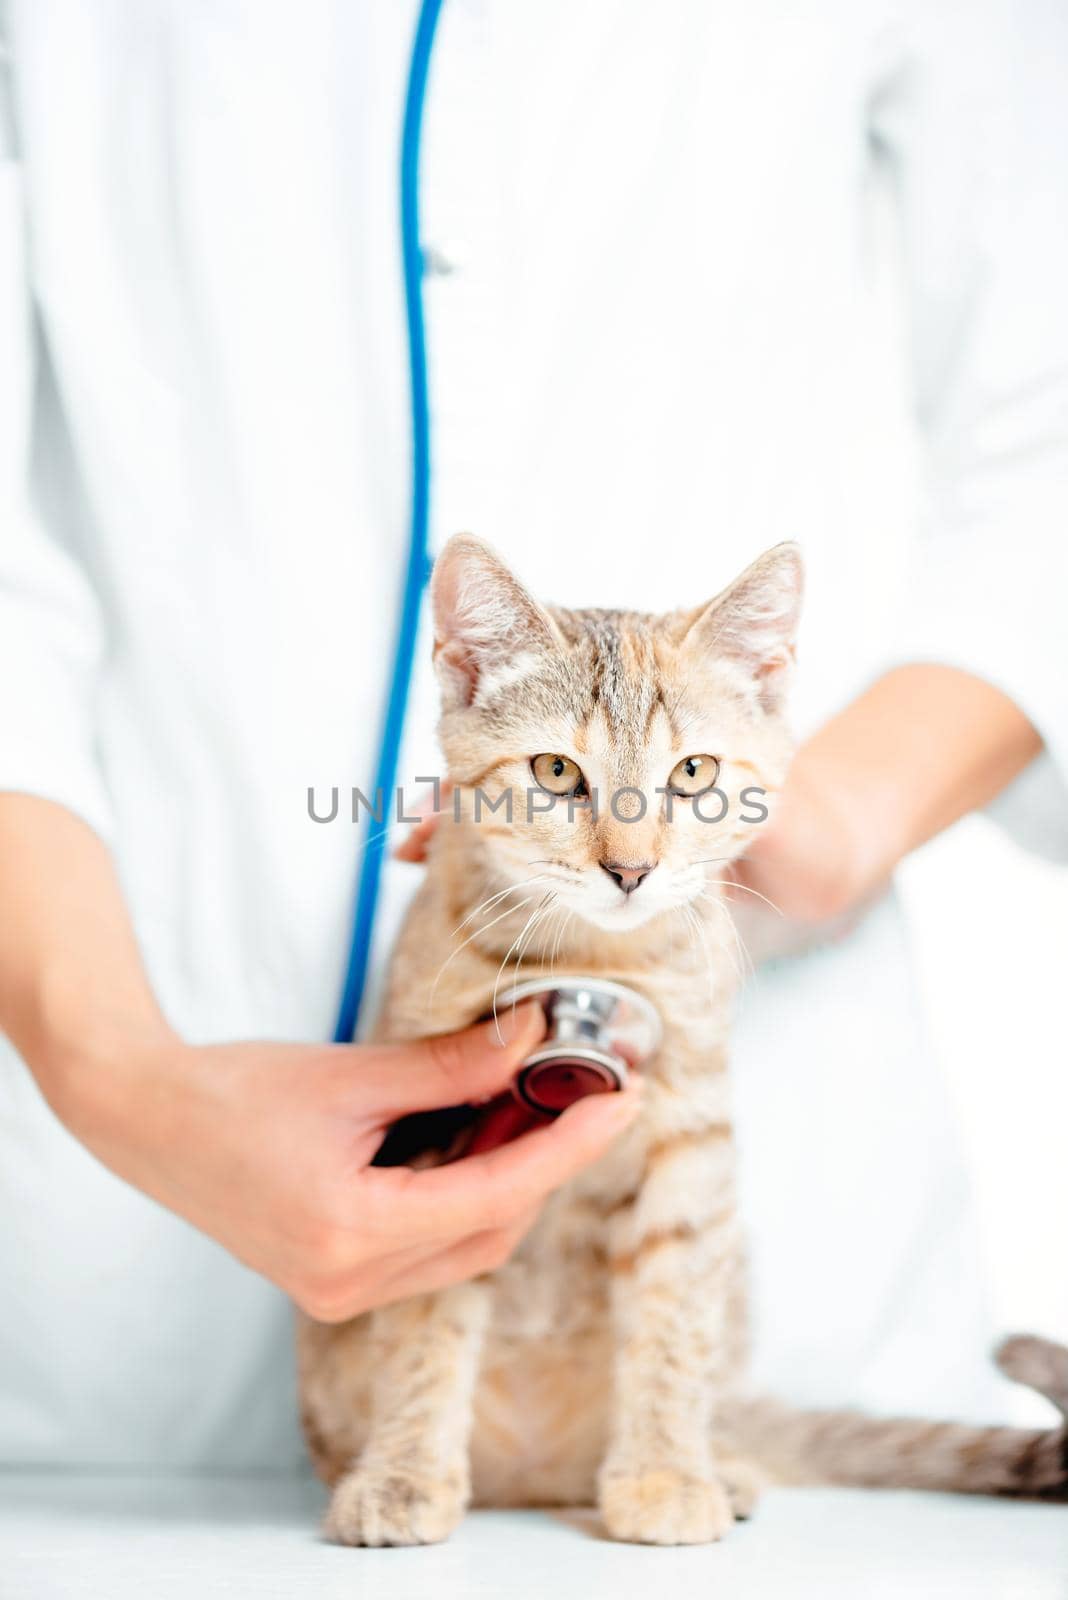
(597, 1031)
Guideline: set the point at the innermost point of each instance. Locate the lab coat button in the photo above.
(442, 260)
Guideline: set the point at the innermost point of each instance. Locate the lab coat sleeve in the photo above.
(973, 115)
(50, 624)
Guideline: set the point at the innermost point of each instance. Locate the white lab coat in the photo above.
(655, 349)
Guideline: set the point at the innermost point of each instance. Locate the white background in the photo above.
(991, 924)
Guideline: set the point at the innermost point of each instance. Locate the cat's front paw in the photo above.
(385, 1506)
(664, 1507)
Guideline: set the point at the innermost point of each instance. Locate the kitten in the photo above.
(606, 1359)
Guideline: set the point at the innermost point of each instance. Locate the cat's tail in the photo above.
(849, 1448)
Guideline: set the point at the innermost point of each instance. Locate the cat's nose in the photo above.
(628, 877)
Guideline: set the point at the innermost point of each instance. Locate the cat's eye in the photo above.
(694, 775)
(558, 775)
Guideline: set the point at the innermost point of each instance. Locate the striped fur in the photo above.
(606, 1359)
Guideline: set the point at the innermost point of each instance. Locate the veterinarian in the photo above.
(672, 256)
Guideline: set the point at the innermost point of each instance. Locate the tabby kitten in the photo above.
(606, 1359)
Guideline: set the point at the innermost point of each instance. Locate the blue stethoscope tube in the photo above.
(418, 568)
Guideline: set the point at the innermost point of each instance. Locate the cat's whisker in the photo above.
(534, 924)
(688, 919)
(512, 888)
(486, 905)
(732, 948)
(700, 933)
(507, 956)
(745, 968)
(550, 933)
(730, 883)
(691, 926)
(507, 912)
(550, 925)
(547, 924)
(491, 900)
(565, 923)
(517, 945)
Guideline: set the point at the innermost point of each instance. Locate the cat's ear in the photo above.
(753, 622)
(486, 626)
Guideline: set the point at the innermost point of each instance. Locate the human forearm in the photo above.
(73, 991)
(267, 1147)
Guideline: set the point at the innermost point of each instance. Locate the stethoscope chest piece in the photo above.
(598, 1031)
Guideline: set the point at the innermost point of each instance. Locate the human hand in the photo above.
(806, 879)
(267, 1148)
(414, 846)
(924, 745)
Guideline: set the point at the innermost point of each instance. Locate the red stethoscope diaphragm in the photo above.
(596, 1030)
(550, 1086)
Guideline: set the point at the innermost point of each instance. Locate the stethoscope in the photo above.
(418, 565)
(595, 1030)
